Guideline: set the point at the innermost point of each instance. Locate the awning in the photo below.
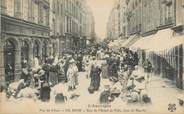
(160, 41)
(129, 41)
(115, 43)
(178, 39)
(143, 43)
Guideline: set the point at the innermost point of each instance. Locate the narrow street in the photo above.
(91, 56)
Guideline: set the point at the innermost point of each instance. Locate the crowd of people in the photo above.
(120, 67)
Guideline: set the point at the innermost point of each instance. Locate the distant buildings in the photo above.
(117, 23)
(143, 17)
(72, 24)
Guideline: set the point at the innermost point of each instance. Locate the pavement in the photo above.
(161, 91)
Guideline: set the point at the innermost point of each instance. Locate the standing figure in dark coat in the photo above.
(79, 62)
(95, 78)
(46, 68)
(45, 91)
(66, 65)
(53, 77)
(147, 69)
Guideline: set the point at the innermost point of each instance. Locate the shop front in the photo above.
(9, 60)
(165, 51)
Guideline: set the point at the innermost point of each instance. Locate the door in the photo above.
(9, 61)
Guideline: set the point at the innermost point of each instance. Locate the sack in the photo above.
(59, 98)
(146, 99)
(91, 90)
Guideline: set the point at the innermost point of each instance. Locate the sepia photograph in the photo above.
(91, 56)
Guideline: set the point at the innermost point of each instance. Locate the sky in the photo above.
(101, 10)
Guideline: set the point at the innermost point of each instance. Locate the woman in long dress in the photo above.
(95, 78)
(72, 75)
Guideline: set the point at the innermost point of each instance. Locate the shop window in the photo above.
(24, 52)
(44, 51)
(36, 49)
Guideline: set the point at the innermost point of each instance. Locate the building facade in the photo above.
(145, 17)
(155, 28)
(142, 17)
(90, 27)
(117, 22)
(72, 23)
(24, 35)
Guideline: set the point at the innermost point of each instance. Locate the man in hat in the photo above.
(79, 61)
(66, 65)
(147, 69)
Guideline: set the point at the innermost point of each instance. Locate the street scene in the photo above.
(92, 56)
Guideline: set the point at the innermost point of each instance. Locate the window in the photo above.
(68, 25)
(41, 15)
(24, 52)
(3, 6)
(25, 9)
(35, 12)
(36, 49)
(44, 16)
(44, 51)
(17, 8)
(135, 3)
(61, 9)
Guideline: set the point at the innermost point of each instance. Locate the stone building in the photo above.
(111, 26)
(90, 27)
(24, 35)
(147, 16)
(159, 36)
(155, 29)
(134, 16)
(117, 22)
(70, 23)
